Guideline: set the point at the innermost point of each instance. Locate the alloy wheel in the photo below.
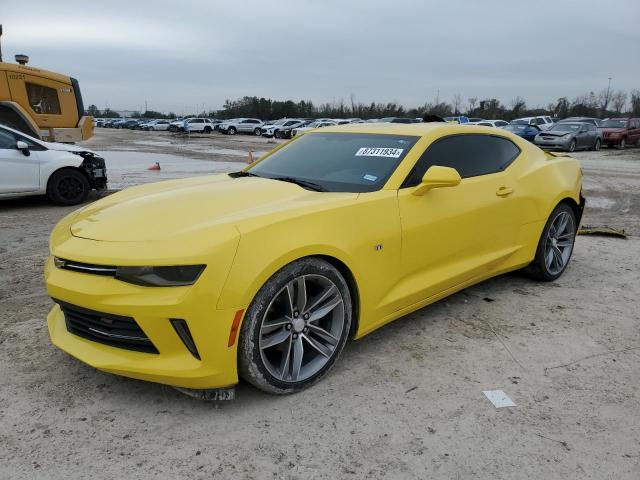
(559, 243)
(301, 328)
(70, 188)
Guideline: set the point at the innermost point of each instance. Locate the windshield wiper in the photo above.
(243, 174)
(303, 183)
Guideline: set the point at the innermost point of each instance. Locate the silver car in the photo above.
(570, 136)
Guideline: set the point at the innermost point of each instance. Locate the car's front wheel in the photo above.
(572, 145)
(555, 245)
(596, 146)
(231, 131)
(68, 187)
(257, 132)
(296, 327)
(623, 144)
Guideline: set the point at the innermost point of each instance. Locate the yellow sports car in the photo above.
(266, 273)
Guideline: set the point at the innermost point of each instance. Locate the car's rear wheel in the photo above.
(68, 187)
(572, 145)
(555, 245)
(296, 327)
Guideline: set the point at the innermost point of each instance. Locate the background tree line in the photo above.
(606, 103)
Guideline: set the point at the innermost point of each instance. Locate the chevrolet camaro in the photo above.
(264, 274)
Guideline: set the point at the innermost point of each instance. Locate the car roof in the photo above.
(409, 129)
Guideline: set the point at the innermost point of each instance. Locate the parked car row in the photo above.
(570, 134)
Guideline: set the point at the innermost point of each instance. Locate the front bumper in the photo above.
(555, 144)
(152, 308)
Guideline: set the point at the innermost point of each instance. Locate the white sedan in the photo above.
(313, 125)
(65, 173)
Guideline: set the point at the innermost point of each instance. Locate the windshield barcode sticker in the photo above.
(379, 152)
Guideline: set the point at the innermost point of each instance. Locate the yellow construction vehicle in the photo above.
(42, 104)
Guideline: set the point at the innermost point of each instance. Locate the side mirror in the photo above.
(437, 177)
(23, 147)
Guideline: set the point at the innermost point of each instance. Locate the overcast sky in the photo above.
(184, 55)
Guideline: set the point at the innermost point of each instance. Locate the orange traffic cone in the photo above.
(250, 157)
(156, 166)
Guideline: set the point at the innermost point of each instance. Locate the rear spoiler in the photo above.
(552, 155)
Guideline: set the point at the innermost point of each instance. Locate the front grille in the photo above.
(85, 267)
(106, 328)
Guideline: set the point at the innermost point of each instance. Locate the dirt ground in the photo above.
(404, 402)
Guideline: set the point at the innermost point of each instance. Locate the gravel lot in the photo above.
(404, 402)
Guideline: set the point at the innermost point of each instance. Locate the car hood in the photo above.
(556, 133)
(65, 147)
(165, 210)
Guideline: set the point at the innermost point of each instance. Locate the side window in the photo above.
(43, 99)
(539, 121)
(7, 140)
(470, 154)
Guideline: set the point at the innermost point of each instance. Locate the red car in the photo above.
(620, 132)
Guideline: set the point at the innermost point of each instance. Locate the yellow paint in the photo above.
(13, 79)
(455, 233)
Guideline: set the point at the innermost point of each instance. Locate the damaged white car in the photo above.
(65, 173)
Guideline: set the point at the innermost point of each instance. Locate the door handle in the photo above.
(504, 191)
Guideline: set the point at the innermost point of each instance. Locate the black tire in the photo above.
(207, 130)
(277, 134)
(596, 146)
(232, 131)
(68, 186)
(622, 145)
(251, 364)
(257, 132)
(572, 145)
(538, 269)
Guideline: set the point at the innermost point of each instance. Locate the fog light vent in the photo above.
(182, 329)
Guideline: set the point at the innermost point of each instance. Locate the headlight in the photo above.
(160, 276)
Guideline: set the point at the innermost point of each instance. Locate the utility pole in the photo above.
(0, 44)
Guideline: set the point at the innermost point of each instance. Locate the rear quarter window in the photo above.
(471, 155)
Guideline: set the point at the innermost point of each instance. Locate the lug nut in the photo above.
(288, 327)
(295, 335)
(306, 330)
(306, 316)
(295, 314)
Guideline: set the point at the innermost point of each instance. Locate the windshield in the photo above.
(518, 127)
(566, 127)
(339, 162)
(613, 123)
(520, 122)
